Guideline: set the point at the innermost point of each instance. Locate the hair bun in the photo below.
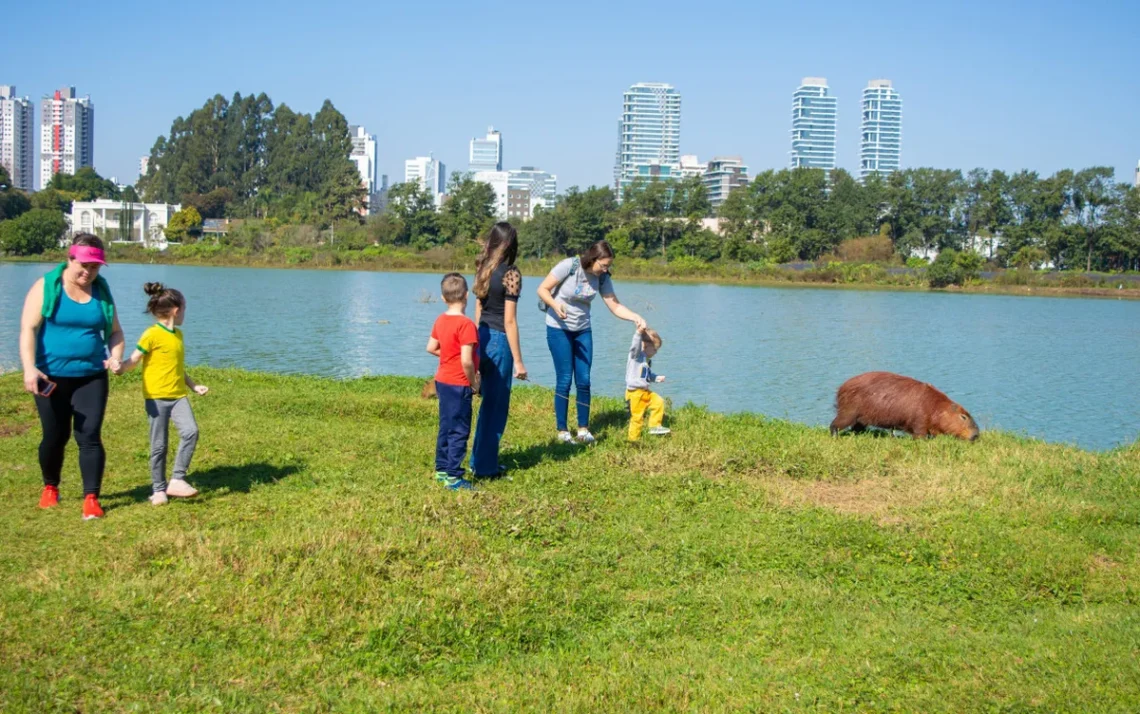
(153, 288)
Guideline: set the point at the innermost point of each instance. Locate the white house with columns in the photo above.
(104, 217)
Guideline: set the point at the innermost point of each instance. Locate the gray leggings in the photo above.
(160, 412)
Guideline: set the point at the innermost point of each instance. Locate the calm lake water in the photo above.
(1061, 369)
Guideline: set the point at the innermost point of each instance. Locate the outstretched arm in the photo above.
(622, 312)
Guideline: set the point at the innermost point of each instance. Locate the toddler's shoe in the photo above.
(659, 431)
(159, 498)
(585, 437)
(564, 437)
(178, 488)
(91, 507)
(49, 497)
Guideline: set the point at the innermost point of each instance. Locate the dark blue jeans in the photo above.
(454, 427)
(573, 352)
(496, 364)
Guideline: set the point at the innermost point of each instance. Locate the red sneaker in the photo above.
(50, 497)
(91, 508)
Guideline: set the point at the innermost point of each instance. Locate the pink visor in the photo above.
(87, 254)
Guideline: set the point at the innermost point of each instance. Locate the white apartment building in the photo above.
(499, 181)
(67, 134)
(430, 173)
(17, 117)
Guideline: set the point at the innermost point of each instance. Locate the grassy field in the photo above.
(741, 564)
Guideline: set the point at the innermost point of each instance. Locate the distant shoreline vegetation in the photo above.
(261, 184)
(825, 273)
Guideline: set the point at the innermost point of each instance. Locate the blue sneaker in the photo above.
(458, 483)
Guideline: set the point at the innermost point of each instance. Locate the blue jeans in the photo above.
(573, 352)
(496, 365)
(454, 427)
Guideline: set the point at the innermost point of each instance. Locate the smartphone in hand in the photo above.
(45, 387)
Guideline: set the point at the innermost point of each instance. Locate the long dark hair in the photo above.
(594, 253)
(501, 246)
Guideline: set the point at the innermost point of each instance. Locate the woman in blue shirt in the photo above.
(69, 337)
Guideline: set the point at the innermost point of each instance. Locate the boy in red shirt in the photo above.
(455, 340)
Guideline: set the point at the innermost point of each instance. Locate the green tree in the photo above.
(414, 209)
(32, 232)
(187, 223)
(85, 185)
(944, 271)
(469, 210)
(13, 202)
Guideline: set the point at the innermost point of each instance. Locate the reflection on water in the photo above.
(1060, 369)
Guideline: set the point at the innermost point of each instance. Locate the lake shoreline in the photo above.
(530, 269)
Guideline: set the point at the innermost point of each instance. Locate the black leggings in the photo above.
(84, 401)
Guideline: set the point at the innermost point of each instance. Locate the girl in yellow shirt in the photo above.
(166, 389)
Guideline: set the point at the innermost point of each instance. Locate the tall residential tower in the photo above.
(813, 125)
(67, 135)
(882, 129)
(649, 133)
(16, 138)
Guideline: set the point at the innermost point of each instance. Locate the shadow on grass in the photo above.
(238, 479)
(601, 424)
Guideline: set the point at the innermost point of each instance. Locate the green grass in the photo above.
(741, 564)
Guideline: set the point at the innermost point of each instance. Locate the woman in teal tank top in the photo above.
(69, 337)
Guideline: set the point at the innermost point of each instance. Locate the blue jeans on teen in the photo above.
(573, 352)
(454, 428)
(496, 365)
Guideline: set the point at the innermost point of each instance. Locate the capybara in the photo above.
(892, 401)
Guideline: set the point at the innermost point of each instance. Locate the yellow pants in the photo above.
(641, 401)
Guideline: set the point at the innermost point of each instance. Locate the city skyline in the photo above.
(559, 115)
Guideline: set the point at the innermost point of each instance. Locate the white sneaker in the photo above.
(178, 488)
(585, 437)
(565, 438)
(159, 498)
(660, 431)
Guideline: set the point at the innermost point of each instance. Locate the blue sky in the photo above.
(1040, 85)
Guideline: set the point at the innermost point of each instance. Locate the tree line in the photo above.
(246, 158)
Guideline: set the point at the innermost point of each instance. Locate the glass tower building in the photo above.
(882, 129)
(813, 125)
(649, 131)
(487, 153)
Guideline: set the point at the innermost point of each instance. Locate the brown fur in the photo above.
(892, 401)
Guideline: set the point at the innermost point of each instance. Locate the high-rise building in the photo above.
(67, 136)
(724, 173)
(649, 132)
(430, 173)
(487, 153)
(499, 181)
(144, 164)
(1137, 183)
(692, 166)
(364, 156)
(882, 129)
(541, 185)
(17, 117)
(813, 125)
